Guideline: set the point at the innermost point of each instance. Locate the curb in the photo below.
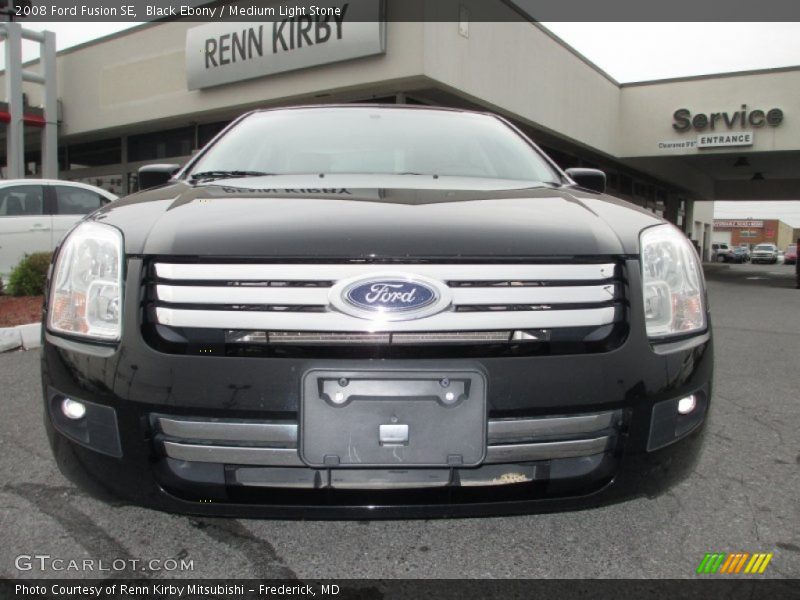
(27, 336)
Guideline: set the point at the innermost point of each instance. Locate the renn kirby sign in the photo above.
(219, 53)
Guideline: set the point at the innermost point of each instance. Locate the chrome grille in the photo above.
(281, 303)
(271, 446)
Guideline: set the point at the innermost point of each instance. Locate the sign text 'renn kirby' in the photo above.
(224, 52)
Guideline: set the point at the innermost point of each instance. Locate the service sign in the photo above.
(327, 32)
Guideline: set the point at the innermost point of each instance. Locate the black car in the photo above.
(372, 311)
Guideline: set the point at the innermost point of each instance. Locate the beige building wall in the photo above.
(139, 77)
(647, 111)
(518, 69)
(785, 233)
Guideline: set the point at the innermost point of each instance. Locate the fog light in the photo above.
(687, 404)
(73, 409)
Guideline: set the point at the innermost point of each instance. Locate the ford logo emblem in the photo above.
(390, 298)
(390, 295)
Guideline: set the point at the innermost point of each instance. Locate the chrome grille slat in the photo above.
(302, 296)
(333, 321)
(509, 453)
(318, 296)
(499, 430)
(288, 457)
(443, 272)
(503, 430)
(210, 440)
(232, 431)
(234, 455)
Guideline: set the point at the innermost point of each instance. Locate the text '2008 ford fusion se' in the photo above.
(375, 311)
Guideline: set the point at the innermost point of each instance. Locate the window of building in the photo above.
(95, 154)
(110, 183)
(626, 185)
(62, 158)
(33, 162)
(161, 144)
(207, 131)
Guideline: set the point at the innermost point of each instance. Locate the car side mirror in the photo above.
(591, 179)
(151, 176)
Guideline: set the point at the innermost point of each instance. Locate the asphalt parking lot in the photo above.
(744, 495)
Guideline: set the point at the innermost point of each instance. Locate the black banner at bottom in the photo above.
(379, 589)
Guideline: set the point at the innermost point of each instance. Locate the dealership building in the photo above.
(751, 232)
(159, 91)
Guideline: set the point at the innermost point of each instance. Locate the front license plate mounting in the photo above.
(393, 418)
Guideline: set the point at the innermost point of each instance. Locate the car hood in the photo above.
(255, 218)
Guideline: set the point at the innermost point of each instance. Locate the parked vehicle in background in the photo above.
(36, 213)
(790, 256)
(740, 254)
(765, 253)
(797, 268)
(721, 253)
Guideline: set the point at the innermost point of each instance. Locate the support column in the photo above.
(15, 132)
(50, 132)
(688, 218)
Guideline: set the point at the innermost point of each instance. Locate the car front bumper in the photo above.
(129, 448)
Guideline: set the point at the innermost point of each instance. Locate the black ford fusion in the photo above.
(364, 311)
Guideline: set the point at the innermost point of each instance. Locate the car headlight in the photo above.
(86, 284)
(672, 283)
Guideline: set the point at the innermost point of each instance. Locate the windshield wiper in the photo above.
(208, 175)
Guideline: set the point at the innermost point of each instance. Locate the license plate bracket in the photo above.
(392, 418)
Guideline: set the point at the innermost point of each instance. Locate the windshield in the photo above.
(765, 248)
(362, 140)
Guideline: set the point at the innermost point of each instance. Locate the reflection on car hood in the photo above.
(239, 219)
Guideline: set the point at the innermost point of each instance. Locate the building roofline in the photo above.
(765, 71)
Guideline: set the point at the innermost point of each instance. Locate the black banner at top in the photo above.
(406, 10)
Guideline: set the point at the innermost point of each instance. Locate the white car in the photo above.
(36, 213)
(765, 253)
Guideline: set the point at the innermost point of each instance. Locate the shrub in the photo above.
(28, 277)
(1, 286)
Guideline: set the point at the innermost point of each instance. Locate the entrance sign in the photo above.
(721, 140)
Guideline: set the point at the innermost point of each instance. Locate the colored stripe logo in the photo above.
(735, 563)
